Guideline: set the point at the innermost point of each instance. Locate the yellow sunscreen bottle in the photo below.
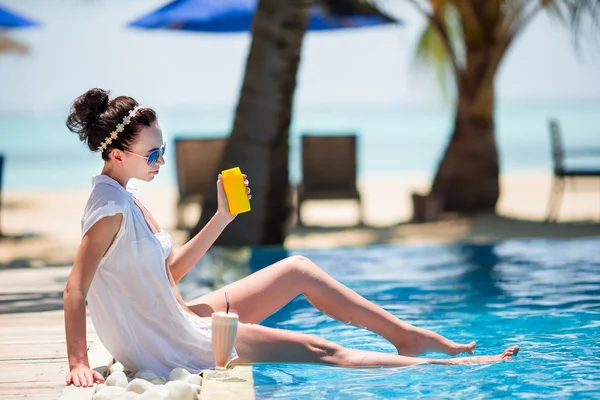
(235, 190)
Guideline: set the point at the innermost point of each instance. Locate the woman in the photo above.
(127, 271)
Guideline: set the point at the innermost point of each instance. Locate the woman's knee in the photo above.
(300, 265)
(300, 273)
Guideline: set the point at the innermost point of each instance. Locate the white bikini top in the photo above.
(165, 241)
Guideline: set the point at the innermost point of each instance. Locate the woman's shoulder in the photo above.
(105, 191)
(106, 199)
(102, 193)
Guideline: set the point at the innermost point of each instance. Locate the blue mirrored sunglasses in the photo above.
(154, 155)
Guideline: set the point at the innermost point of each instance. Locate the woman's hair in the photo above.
(93, 116)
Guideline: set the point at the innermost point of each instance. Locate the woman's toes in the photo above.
(470, 347)
(511, 351)
(462, 348)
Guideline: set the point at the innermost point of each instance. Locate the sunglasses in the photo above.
(154, 155)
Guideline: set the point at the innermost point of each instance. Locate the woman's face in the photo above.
(136, 164)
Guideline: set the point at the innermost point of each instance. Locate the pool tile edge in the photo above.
(239, 385)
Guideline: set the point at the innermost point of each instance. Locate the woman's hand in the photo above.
(82, 375)
(223, 209)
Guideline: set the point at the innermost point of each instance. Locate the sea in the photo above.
(393, 140)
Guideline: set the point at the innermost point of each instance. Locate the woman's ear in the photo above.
(117, 156)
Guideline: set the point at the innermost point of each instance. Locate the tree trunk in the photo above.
(259, 142)
(467, 177)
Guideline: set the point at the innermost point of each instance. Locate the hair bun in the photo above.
(86, 111)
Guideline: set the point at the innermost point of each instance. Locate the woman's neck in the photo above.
(115, 173)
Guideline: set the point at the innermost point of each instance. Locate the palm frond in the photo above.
(557, 11)
(577, 15)
(454, 26)
(431, 51)
(583, 11)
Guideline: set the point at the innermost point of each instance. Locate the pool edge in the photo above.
(239, 387)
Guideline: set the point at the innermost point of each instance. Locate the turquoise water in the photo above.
(41, 153)
(543, 295)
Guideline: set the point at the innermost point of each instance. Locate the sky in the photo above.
(86, 43)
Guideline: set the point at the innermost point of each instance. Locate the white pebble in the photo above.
(197, 388)
(194, 379)
(130, 396)
(180, 390)
(99, 386)
(102, 396)
(116, 367)
(178, 374)
(145, 374)
(109, 392)
(114, 390)
(159, 380)
(117, 379)
(161, 389)
(138, 386)
(154, 394)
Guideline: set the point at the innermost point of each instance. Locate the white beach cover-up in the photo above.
(131, 302)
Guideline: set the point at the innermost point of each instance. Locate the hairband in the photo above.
(120, 127)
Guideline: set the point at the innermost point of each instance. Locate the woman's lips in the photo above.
(154, 172)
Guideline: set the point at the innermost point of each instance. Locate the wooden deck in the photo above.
(33, 352)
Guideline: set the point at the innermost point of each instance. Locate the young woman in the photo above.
(127, 271)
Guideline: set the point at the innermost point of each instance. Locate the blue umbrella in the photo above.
(9, 19)
(236, 16)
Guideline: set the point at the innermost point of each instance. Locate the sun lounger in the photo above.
(564, 174)
(328, 170)
(197, 164)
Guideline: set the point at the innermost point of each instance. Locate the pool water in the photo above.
(543, 295)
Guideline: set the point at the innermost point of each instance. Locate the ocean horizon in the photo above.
(40, 152)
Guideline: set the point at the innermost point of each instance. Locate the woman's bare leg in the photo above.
(259, 344)
(261, 294)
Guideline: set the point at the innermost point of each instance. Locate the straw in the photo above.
(227, 301)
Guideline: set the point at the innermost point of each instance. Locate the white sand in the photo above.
(55, 216)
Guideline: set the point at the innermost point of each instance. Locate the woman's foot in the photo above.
(508, 353)
(457, 348)
(417, 341)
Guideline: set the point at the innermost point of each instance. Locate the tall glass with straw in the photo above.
(224, 331)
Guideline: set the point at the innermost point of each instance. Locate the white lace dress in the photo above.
(132, 305)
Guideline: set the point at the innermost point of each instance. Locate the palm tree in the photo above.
(259, 141)
(466, 40)
(471, 37)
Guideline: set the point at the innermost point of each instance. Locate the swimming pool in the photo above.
(541, 294)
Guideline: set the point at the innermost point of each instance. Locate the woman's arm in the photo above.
(191, 252)
(93, 246)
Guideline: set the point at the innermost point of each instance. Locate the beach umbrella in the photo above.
(222, 16)
(9, 19)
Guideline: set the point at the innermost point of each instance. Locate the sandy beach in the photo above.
(43, 227)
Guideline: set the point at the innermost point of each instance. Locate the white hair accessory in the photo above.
(120, 127)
